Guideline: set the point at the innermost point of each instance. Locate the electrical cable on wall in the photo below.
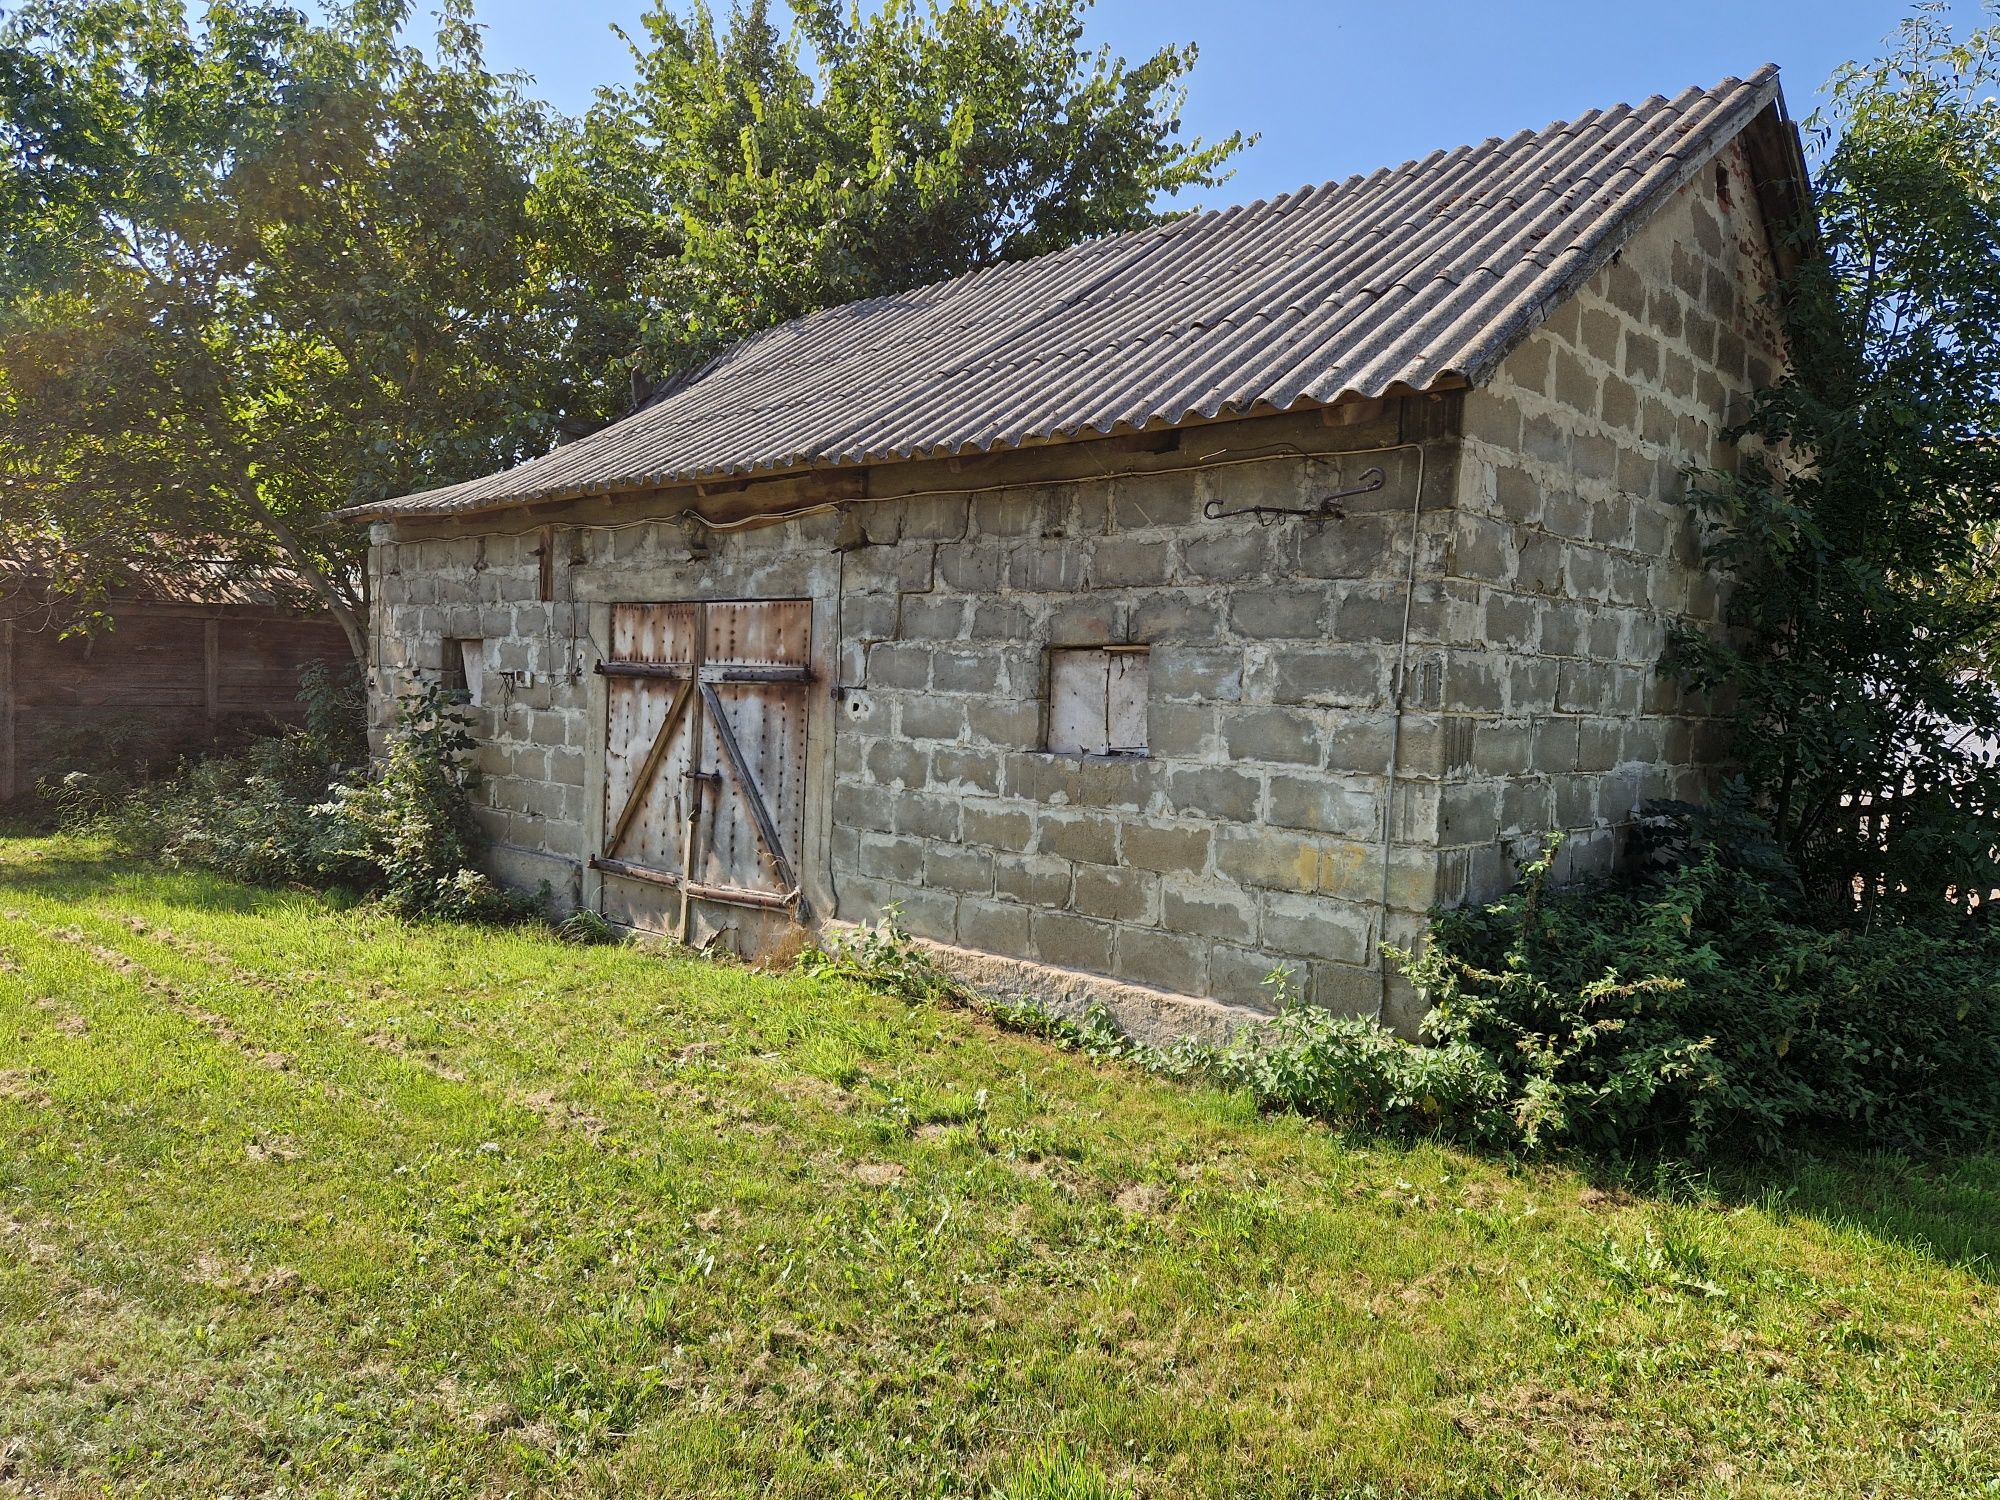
(1221, 458)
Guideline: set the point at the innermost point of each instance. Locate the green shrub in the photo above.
(1693, 1010)
(1684, 1011)
(248, 815)
(77, 799)
(406, 829)
(308, 808)
(334, 696)
(89, 771)
(1353, 1069)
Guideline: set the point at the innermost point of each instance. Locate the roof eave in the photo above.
(393, 510)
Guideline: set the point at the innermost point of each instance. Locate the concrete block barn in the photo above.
(1150, 615)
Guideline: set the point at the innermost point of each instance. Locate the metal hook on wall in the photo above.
(1327, 509)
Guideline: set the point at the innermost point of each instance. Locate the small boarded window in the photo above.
(1097, 701)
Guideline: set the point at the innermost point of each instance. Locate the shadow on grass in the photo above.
(68, 870)
(1943, 1208)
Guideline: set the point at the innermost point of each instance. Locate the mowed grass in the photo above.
(301, 1200)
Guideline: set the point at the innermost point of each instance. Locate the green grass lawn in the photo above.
(300, 1200)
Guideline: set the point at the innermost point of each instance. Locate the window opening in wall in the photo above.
(464, 669)
(1097, 700)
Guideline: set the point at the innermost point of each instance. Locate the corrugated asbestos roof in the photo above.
(1416, 277)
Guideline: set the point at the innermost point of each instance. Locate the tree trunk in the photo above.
(352, 620)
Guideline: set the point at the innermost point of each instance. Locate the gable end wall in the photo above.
(1575, 547)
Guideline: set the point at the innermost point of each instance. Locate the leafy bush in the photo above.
(407, 830)
(334, 697)
(76, 799)
(1352, 1068)
(248, 815)
(1687, 1010)
(1693, 1010)
(306, 807)
(90, 770)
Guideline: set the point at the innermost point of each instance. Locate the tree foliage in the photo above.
(1863, 529)
(749, 176)
(260, 267)
(253, 270)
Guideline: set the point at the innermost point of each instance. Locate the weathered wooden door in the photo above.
(705, 750)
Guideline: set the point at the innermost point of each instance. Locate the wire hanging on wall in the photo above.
(1327, 508)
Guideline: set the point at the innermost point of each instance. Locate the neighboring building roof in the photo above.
(1416, 278)
(202, 581)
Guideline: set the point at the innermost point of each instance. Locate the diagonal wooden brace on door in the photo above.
(642, 784)
(753, 796)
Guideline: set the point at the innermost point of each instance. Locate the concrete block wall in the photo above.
(532, 730)
(1249, 838)
(1574, 547)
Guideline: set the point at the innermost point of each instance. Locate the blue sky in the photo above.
(1345, 87)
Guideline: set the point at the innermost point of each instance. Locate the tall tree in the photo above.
(750, 176)
(1867, 535)
(251, 271)
(259, 268)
